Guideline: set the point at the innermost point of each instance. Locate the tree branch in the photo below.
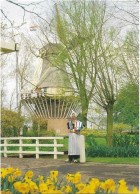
(25, 10)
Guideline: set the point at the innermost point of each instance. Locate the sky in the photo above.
(15, 13)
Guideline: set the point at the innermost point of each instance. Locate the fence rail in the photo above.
(55, 145)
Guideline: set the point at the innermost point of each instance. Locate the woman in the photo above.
(75, 127)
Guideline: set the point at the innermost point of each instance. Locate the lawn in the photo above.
(108, 160)
(134, 160)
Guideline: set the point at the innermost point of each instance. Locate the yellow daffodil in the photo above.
(87, 189)
(54, 191)
(102, 186)
(2, 169)
(10, 170)
(33, 187)
(80, 186)
(4, 174)
(40, 178)
(67, 189)
(29, 174)
(135, 190)
(27, 180)
(122, 182)
(123, 189)
(24, 188)
(54, 173)
(70, 177)
(17, 173)
(51, 186)
(17, 185)
(110, 186)
(43, 188)
(48, 180)
(77, 178)
(53, 179)
(11, 178)
(95, 181)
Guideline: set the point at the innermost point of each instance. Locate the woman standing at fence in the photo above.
(75, 127)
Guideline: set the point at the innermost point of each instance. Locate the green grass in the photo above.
(134, 160)
(109, 160)
(101, 141)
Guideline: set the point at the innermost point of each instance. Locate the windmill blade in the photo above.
(37, 72)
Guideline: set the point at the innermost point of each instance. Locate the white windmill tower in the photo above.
(50, 99)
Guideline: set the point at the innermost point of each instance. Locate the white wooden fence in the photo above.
(36, 145)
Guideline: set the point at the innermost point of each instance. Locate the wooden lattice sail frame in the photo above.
(55, 107)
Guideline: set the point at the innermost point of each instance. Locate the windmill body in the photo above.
(51, 99)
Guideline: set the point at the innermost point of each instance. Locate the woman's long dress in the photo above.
(73, 144)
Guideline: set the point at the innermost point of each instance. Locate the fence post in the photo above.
(37, 148)
(55, 149)
(5, 148)
(82, 149)
(20, 148)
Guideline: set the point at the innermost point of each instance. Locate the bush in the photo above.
(96, 133)
(11, 122)
(90, 140)
(105, 151)
(119, 127)
(45, 133)
(135, 139)
(124, 140)
(122, 146)
(31, 134)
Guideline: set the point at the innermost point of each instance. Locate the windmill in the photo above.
(51, 99)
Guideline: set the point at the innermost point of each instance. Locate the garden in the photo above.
(84, 51)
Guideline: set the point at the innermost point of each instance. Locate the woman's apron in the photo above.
(74, 144)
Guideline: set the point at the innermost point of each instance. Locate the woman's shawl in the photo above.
(77, 126)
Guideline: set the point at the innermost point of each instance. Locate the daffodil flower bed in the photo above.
(13, 181)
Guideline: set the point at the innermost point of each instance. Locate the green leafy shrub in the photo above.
(11, 122)
(90, 140)
(135, 139)
(105, 151)
(47, 133)
(124, 140)
(96, 133)
(123, 146)
(42, 133)
(119, 127)
(31, 134)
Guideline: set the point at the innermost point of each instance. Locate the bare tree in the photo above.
(79, 28)
(107, 79)
(128, 56)
(30, 8)
(130, 13)
(24, 69)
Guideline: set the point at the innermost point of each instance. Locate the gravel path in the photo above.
(89, 169)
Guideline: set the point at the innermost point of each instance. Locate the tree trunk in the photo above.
(38, 129)
(84, 117)
(84, 106)
(109, 124)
